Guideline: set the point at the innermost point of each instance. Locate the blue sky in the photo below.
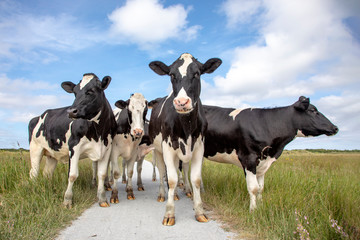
(273, 51)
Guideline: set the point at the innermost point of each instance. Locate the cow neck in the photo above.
(106, 122)
(190, 122)
(124, 122)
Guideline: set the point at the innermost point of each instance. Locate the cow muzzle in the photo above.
(72, 113)
(137, 133)
(183, 105)
(333, 131)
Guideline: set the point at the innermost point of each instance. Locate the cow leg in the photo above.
(116, 174)
(124, 163)
(94, 173)
(154, 170)
(50, 166)
(139, 164)
(195, 176)
(260, 180)
(130, 172)
(172, 164)
(161, 167)
(73, 174)
(180, 175)
(252, 186)
(36, 153)
(186, 177)
(107, 184)
(102, 173)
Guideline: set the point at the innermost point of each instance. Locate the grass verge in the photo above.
(307, 195)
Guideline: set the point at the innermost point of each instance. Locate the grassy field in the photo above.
(33, 209)
(308, 195)
(305, 193)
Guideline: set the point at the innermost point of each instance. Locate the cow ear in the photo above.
(159, 67)
(121, 104)
(68, 86)
(302, 104)
(153, 103)
(211, 65)
(105, 82)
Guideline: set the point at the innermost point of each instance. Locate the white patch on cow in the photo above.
(231, 158)
(96, 118)
(187, 61)
(94, 150)
(124, 146)
(86, 79)
(182, 94)
(164, 103)
(264, 165)
(300, 134)
(137, 106)
(117, 112)
(234, 113)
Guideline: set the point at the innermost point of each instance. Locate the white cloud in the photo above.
(20, 102)
(240, 11)
(147, 22)
(27, 37)
(296, 53)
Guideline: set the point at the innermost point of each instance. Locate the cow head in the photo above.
(89, 96)
(137, 109)
(185, 78)
(310, 121)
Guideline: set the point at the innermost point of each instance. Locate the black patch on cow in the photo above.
(182, 147)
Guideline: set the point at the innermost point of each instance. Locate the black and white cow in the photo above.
(254, 138)
(85, 129)
(177, 127)
(143, 149)
(130, 119)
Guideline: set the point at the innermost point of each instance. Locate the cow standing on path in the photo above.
(85, 129)
(177, 127)
(130, 119)
(254, 138)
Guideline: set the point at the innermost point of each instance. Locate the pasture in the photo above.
(307, 194)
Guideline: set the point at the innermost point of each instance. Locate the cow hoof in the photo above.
(104, 204)
(169, 221)
(201, 218)
(188, 194)
(123, 181)
(114, 200)
(130, 196)
(176, 197)
(141, 189)
(67, 204)
(161, 199)
(181, 184)
(107, 187)
(154, 179)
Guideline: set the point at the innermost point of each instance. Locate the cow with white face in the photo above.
(130, 119)
(83, 130)
(177, 128)
(255, 138)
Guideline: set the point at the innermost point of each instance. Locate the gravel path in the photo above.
(141, 218)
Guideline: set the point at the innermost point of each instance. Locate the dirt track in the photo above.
(141, 218)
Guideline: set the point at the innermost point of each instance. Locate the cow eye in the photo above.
(89, 92)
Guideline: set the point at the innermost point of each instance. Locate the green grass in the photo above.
(318, 185)
(32, 209)
(303, 190)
